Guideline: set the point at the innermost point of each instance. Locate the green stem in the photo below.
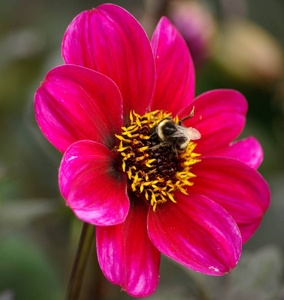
(84, 246)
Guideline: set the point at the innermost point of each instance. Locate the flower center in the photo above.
(156, 156)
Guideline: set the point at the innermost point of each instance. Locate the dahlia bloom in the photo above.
(103, 108)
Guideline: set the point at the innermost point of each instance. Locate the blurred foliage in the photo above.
(20, 259)
(38, 234)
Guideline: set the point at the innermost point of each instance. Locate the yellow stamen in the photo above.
(145, 173)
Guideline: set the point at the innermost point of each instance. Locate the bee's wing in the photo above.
(192, 133)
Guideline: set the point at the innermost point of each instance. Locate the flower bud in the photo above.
(196, 25)
(249, 53)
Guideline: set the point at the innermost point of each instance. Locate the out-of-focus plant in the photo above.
(258, 276)
(197, 26)
(249, 53)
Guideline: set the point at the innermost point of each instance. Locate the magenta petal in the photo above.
(236, 187)
(219, 116)
(126, 255)
(74, 103)
(196, 232)
(91, 185)
(111, 41)
(175, 77)
(247, 150)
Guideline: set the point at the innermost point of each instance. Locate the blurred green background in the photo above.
(236, 44)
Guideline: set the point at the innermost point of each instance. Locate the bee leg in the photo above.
(153, 117)
(163, 144)
(154, 132)
(188, 117)
(175, 149)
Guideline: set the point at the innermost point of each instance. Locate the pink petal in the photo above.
(175, 77)
(248, 151)
(126, 255)
(74, 103)
(219, 116)
(196, 232)
(92, 186)
(236, 187)
(111, 41)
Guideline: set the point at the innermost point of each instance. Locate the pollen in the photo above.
(154, 169)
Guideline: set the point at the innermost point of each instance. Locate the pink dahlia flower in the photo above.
(189, 193)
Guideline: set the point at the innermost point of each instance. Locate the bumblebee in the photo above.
(176, 135)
